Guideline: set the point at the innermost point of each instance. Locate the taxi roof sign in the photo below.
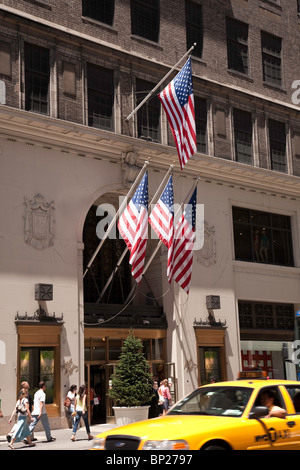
(252, 374)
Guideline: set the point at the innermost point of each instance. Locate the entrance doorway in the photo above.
(95, 378)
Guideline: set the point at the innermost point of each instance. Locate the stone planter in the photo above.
(126, 415)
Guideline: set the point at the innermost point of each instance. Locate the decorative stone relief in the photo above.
(130, 169)
(208, 254)
(68, 367)
(39, 223)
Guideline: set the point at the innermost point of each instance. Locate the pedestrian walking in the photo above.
(81, 412)
(21, 429)
(39, 411)
(165, 393)
(70, 405)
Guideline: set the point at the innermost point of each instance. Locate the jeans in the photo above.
(45, 423)
(85, 418)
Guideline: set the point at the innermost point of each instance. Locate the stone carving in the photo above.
(130, 169)
(68, 367)
(208, 254)
(39, 223)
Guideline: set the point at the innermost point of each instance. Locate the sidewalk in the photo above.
(62, 439)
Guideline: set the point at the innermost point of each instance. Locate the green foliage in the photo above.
(131, 382)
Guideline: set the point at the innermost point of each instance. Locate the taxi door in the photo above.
(270, 434)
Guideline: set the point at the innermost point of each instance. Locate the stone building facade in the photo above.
(70, 74)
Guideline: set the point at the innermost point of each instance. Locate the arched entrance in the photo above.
(108, 319)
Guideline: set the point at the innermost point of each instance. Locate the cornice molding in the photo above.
(85, 141)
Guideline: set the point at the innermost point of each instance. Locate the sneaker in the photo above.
(52, 439)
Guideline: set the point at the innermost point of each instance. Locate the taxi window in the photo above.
(294, 392)
(215, 401)
(278, 400)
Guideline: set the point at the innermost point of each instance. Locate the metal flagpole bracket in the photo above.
(159, 84)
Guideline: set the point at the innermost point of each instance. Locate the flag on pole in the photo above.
(178, 102)
(184, 237)
(133, 227)
(162, 218)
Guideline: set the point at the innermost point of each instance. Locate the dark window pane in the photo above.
(100, 10)
(145, 19)
(258, 239)
(37, 79)
(100, 97)
(194, 27)
(271, 56)
(242, 122)
(277, 142)
(148, 116)
(201, 123)
(237, 45)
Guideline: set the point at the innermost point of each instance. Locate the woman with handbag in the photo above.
(81, 410)
(21, 429)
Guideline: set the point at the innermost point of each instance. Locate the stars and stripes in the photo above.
(133, 227)
(184, 238)
(178, 102)
(162, 219)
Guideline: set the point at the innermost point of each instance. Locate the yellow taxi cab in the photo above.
(249, 413)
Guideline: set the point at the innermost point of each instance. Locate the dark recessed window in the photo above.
(259, 315)
(145, 19)
(271, 58)
(242, 123)
(100, 10)
(237, 45)
(201, 124)
(37, 79)
(148, 116)
(262, 237)
(194, 27)
(100, 97)
(277, 142)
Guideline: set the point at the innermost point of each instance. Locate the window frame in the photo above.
(237, 46)
(150, 15)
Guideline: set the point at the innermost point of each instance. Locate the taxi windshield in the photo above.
(214, 401)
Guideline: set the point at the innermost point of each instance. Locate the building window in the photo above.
(38, 364)
(210, 365)
(100, 86)
(262, 237)
(37, 78)
(242, 124)
(100, 10)
(237, 45)
(271, 57)
(148, 116)
(201, 124)
(194, 27)
(145, 19)
(277, 142)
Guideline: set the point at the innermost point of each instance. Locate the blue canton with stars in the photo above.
(183, 83)
(190, 210)
(167, 196)
(140, 197)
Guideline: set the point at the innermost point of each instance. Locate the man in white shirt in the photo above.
(39, 411)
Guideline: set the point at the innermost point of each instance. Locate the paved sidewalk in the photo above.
(62, 439)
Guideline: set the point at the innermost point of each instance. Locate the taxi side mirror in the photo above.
(258, 412)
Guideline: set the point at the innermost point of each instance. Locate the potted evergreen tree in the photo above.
(131, 386)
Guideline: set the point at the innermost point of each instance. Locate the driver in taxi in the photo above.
(267, 399)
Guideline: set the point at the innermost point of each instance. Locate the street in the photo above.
(62, 442)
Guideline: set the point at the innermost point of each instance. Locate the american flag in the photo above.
(184, 237)
(178, 102)
(133, 227)
(162, 219)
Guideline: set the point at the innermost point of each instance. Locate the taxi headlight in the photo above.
(166, 445)
(98, 443)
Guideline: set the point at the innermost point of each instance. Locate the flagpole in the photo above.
(124, 202)
(160, 242)
(158, 85)
(153, 201)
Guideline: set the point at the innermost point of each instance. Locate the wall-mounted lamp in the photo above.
(44, 292)
(213, 302)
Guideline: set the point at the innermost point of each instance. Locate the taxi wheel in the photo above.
(216, 445)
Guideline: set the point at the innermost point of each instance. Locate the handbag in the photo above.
(21, 408)
(67, 402)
